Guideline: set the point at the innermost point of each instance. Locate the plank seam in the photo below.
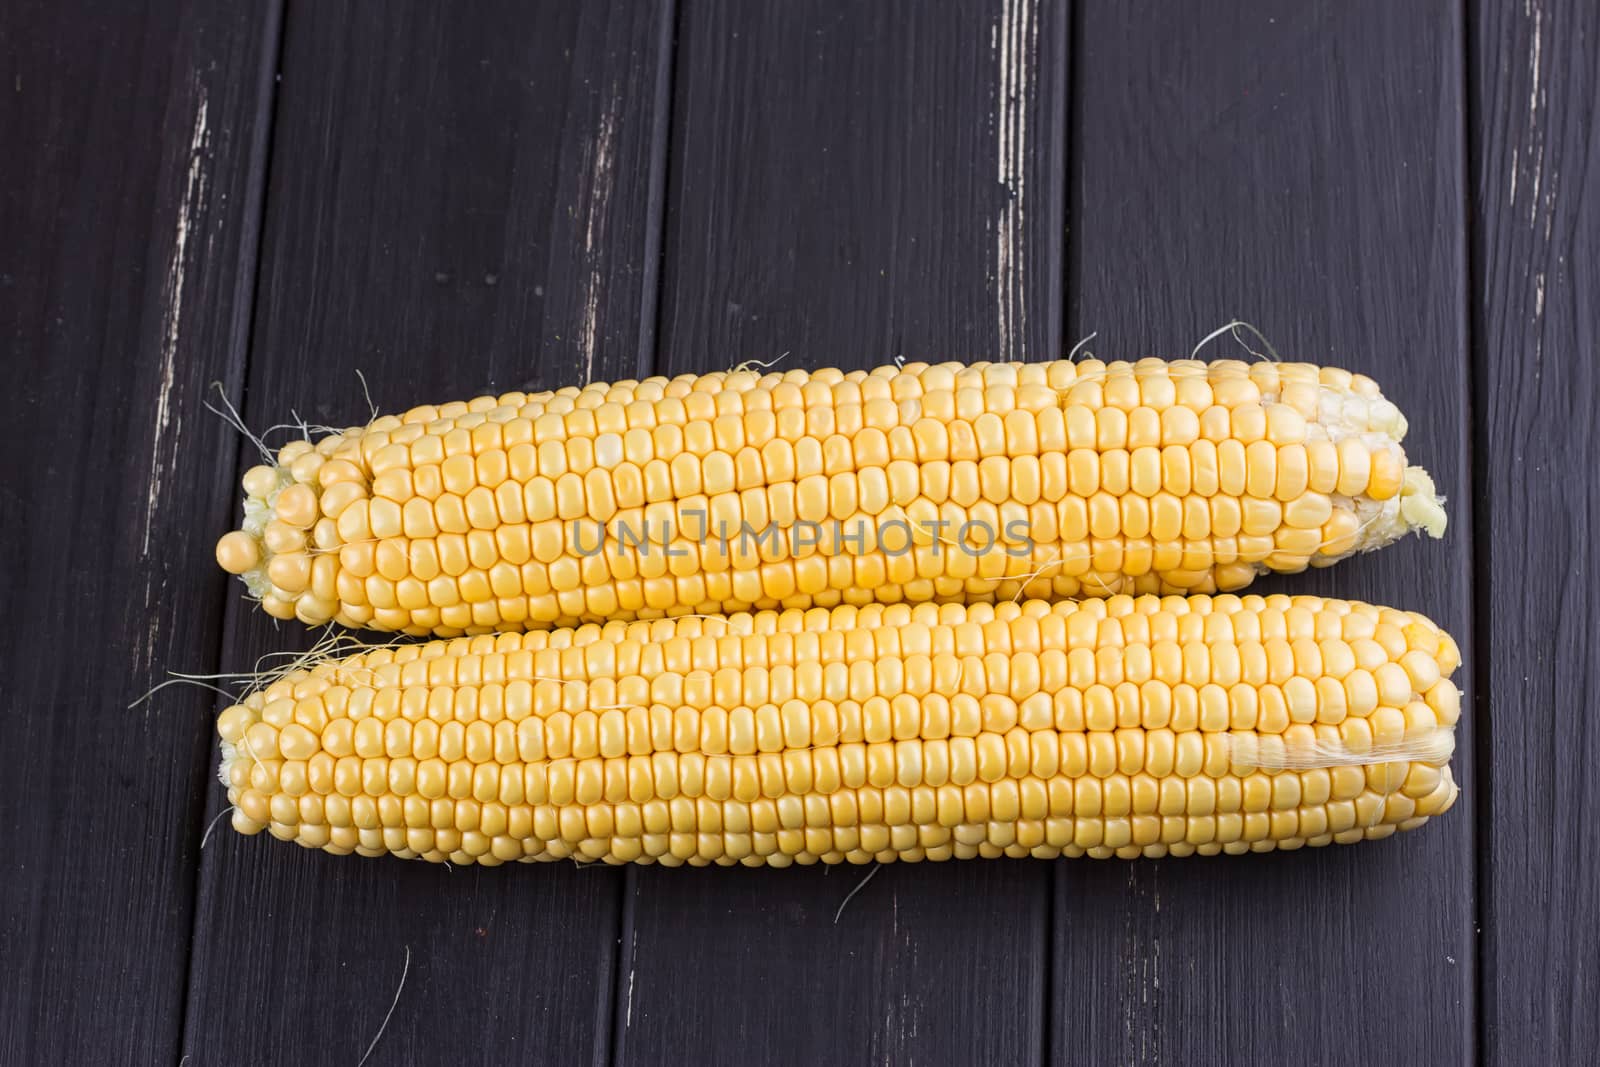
(651, 312)
(245, 304)
(1071, 257)
(1071, 131)
(655, 248)
(1482, 630)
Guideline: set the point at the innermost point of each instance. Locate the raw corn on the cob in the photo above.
(1120, 727)
(906, 484)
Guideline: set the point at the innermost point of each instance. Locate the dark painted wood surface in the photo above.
(466, 207)
(130, 163)
(1536, 226)
(800, 131)
(531, 195)
(1298, 166)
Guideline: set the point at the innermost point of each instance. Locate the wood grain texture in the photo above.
(1300, 167)
(459, 200)
(472, 198)
(849, 184)
(1536, 216)
(130, 139)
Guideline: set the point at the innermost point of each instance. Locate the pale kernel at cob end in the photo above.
(286, 549)
(1109, 728)
(1148, 477)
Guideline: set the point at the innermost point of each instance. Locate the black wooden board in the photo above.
(850, 184)
(458, 201)
(1300, 167)
(129, 139)
(1536, 218)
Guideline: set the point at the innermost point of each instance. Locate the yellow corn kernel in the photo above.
(852, 734)
(699, 495)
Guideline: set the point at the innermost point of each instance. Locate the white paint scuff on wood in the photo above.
(633, 948)
(1016, 46)
(1528, 178)
(602, 176)
(1535, 102)
(190, 208)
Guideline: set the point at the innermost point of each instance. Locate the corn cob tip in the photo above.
(1412, 506)
(1421, 506)
(285, 549)
(264, 537)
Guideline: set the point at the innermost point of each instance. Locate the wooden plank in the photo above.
(1298, 166)
(1536, 161)
(850, 184)
(459, 200)
(133, 142)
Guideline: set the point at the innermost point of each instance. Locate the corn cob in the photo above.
(1119, 727)
(1083, 478)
